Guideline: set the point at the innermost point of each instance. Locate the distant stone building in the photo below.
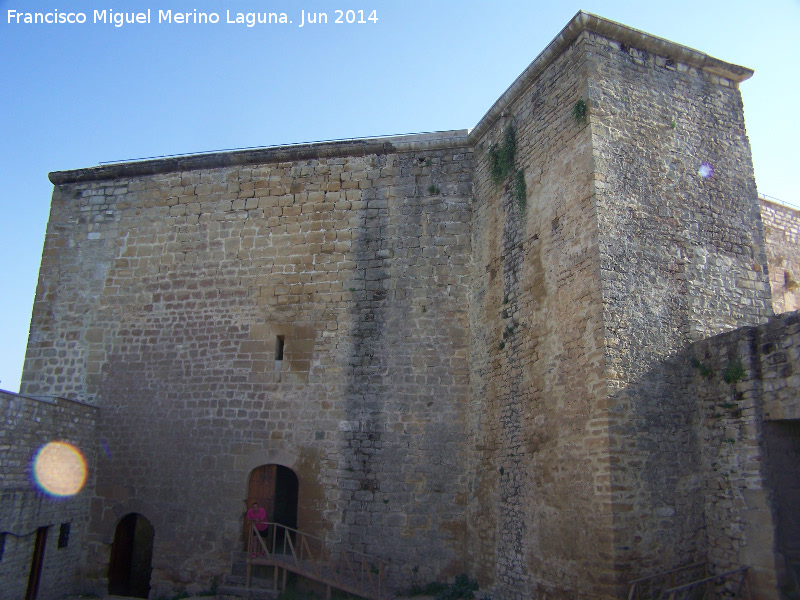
(541, 352)
(782, 236)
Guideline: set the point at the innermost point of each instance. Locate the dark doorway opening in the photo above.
(275, 487)
(37, 562)
(286, 486)
(783, 459)
(131, 557)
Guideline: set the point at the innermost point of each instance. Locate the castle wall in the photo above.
(540, 522)
(681, 253)
(357, 257)
(486, 337)
(29, 424)
(782, 237)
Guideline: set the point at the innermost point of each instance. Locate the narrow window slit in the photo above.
(63, 535)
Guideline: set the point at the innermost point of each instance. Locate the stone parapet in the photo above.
(745, 386)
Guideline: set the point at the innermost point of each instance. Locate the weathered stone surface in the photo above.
(539, 510)
(473, 349)
(749, 450)
(178, 343)
(782, 233)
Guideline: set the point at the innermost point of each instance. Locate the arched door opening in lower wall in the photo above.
(131, 557)
(275, 487)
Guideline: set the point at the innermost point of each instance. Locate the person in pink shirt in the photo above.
(258, 515)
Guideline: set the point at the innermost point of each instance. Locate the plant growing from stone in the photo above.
(734, 372)
(579, 111)
(501, 156)
(705, 371)
(502, 167)
(519, 189)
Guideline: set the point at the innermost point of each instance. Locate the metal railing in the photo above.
(726, 585)
(687, 583)
(332, 564)
(650, 588)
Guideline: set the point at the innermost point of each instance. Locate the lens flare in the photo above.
(105, 447)
(60, 469)
(705, 171)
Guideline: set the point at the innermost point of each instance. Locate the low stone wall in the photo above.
(25, 509)
(746, 384)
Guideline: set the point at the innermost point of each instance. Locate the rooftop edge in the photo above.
(54, 400)
(227, 158)
(581, 22)
(634, 38)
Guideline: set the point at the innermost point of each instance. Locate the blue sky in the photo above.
(73, 96)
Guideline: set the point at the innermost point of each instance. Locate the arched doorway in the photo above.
(131, 557)
(275, 487)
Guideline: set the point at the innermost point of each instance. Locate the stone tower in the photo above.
(627, 228)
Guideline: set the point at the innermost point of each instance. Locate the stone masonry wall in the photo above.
(746, 385)
(24, 508)
(782, 235)
(358, 258)
(681, 255)
(539, 518)
(639, 201)
(487, 335)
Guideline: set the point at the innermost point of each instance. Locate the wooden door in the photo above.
(261, 489)
(36, 564)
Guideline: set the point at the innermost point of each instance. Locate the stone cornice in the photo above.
(212, 160)
(54, 400)
(616, 31)
(779, 205)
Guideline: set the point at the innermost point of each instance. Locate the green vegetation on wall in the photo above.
(705, 370)
(519, 189)
(579, 111)
(734, 372)
(502, 167)
(501, 156)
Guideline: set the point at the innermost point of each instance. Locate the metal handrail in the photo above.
(671, 575)
(298, 554)
(708, 584)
